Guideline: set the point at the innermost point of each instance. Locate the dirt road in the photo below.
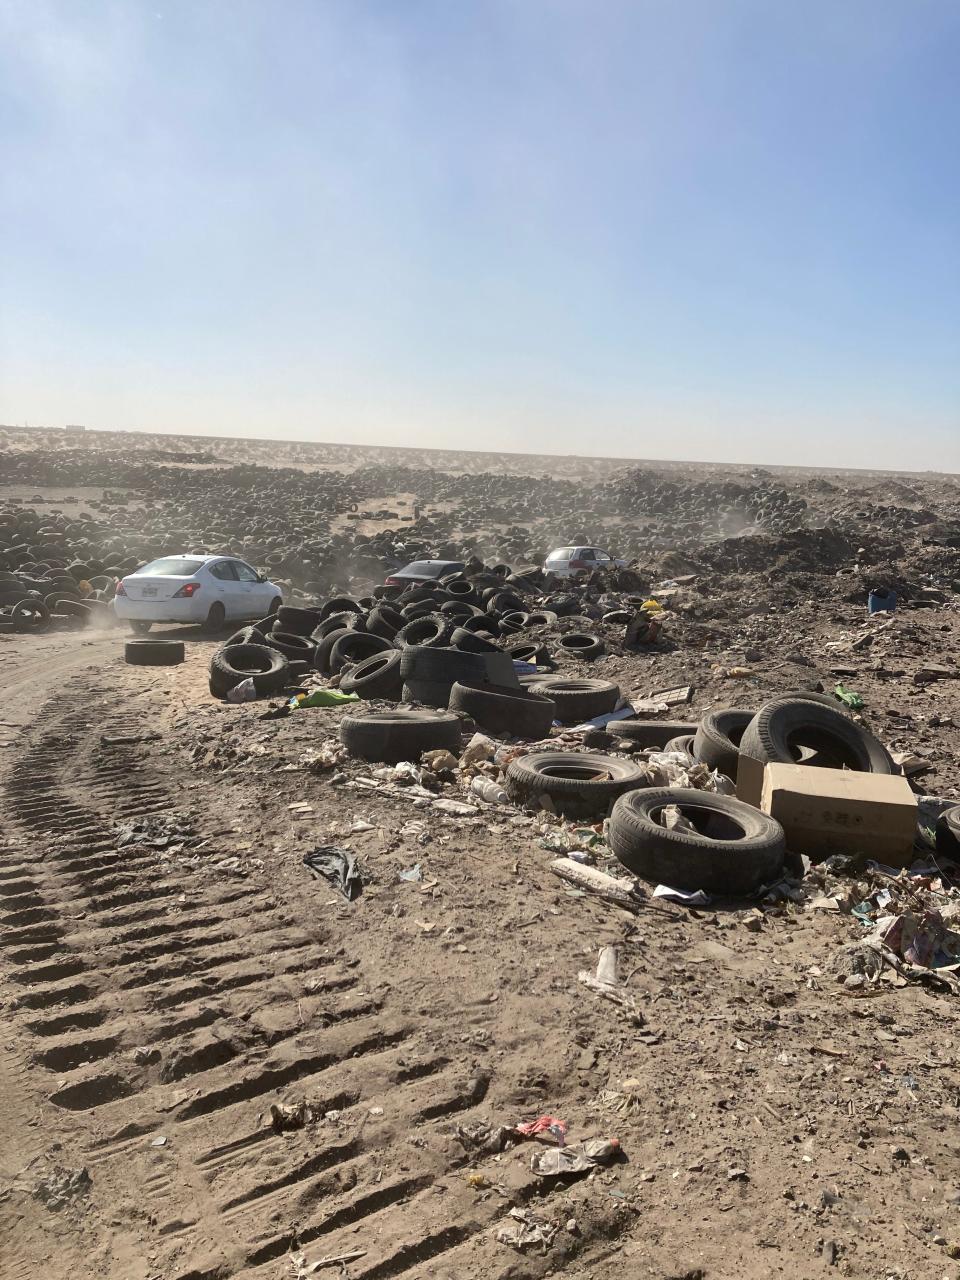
(161, 993)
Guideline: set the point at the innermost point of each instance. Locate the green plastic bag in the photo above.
(849, 697)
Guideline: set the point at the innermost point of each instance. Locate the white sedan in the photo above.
(208, 591)
(568, 562)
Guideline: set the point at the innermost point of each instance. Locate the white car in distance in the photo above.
(568, 562)
(206, 591)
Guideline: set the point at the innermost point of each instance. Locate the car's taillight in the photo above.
(119, 591)
(186, 591)
(392, 582)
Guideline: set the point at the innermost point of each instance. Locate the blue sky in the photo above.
(707, 229)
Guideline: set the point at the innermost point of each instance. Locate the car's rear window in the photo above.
(426, 569)
(173, 568)
(561, 553)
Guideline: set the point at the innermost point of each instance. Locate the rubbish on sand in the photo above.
(624, 893)
(530, 1230)
(285, 1117)
(580, 1158)
(695, 899)
(849, 697)
(338, 867)
(606, 983)
(322, 698)
(543, 1124)
(488, 790)
(245, 691)
(414, 874)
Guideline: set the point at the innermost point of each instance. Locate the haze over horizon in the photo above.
(693, 232)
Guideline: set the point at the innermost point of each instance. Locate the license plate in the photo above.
(149, 591)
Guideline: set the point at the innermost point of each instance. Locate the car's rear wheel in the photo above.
(140, 628)
(215, 619)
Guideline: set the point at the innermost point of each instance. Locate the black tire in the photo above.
(578, 644)
(683, 744)
(578, 700)
(777, 731)
(229, 666)
(153, 653)
(354, 647)
(434, 631)
(336, 622)
(717, 740)
(140, 628)
(447, 666)
(469, 642)
(321, 657)
(339, 604)
(948, 833)
(246, 635)
(292, 646)
(376, 677)
(30, 615)
(297, 622)
(737, 848)
(426, 693)
(505, 711)
(387, 737)
(274, 609)
(541, 618)
(215, 619)
(649, 733)
(385, 621)
(576, 784)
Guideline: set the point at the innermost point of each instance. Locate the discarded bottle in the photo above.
(490, 791)
(879, 601)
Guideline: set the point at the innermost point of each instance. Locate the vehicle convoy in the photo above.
(568, 562)
(206, 591)
(420, 571)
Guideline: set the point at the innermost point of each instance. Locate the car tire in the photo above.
(578, 700)
(948, 833)
(433, 631)
(745, 851)
(353, 647)
(683, 745)
(246, 635)
(386, 737)
(376, 677)
(153, 653)
(215, 620)
(140, 628)
(292, 646)
(575, 784)
(385, 621)
(297, 622)
(504, 711)
(717, 739)
(321, 656)
(267, 666)
(774, 733)
(448, 665)
(426, 693)
(649, 733)
(579, 644)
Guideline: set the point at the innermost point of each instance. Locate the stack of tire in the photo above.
(734, 849)
(54, 595)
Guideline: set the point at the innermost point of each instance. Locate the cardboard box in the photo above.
(826, 811)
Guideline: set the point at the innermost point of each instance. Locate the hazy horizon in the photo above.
(694, 232)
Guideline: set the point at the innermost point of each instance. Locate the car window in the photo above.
(602, 555)
(171, 568)
(223, 570)
(561, 553)
(588, 553)
(244, 572)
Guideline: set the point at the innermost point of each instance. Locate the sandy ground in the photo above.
(157, 998)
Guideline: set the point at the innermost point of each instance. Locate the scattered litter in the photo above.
(530, 1230)
(338, 867)
(849, 697)
(695, 899)
(580, 1158)
(456, 808)
(321, 698)
(285, 1117)
(543, 1124)
(414, 873)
